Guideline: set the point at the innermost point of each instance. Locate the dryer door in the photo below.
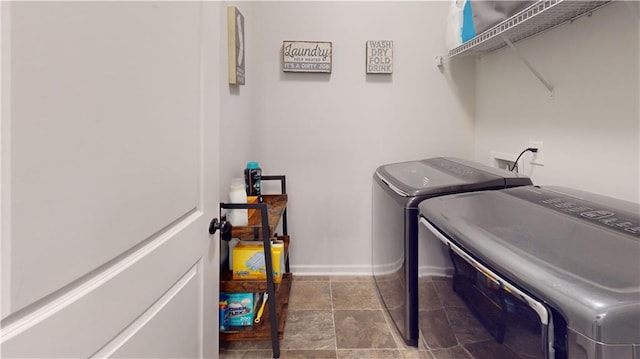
(513, 317)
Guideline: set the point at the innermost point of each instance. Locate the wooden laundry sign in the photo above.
(235, 28)
(306, 56)
(379, 57)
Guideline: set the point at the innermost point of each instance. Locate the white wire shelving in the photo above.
(540, 16)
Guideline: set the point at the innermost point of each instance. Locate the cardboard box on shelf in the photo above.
(249, 260)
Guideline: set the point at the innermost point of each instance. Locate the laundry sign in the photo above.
(306, 56)
(235, 28)
(379, 57)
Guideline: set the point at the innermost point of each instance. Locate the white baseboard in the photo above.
(361, 270)
(309, 270)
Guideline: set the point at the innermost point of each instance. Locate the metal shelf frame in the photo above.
(541, 16)
(266, 241)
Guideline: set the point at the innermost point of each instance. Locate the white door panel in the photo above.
(93, 313)
(107, 181)
(105, 122)
(167, 328)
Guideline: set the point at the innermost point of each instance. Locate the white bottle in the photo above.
(237, 194)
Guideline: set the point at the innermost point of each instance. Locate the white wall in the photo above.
(329, 132)
(590, 128)
(236, 104)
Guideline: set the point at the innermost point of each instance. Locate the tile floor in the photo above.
(343, 317)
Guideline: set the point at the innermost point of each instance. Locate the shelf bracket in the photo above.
(531, 68)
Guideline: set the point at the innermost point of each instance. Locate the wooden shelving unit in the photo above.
(276, 205)
(260, 331)
(262, 228)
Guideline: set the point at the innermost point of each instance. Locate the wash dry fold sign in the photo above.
(379, 57)
(306, 56)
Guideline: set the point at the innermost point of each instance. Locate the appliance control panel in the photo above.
(596, 213)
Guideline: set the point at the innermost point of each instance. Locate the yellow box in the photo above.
(249, 261)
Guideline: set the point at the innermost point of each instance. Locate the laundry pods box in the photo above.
(249, 260)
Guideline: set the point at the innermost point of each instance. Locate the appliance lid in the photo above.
(437, 176)
(577, 251)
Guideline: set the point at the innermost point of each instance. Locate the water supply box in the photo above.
(249, 261)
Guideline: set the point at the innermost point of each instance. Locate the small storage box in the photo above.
(249, 260)
(239, 310)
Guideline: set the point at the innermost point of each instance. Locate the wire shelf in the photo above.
(538, 17)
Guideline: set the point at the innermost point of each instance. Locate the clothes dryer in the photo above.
(398, 188)
(563, 263)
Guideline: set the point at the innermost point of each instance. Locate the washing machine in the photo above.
(561, 263)
(398, 188)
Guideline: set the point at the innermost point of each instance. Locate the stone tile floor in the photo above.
(342, 317)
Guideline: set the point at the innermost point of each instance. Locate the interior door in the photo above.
(108, 181)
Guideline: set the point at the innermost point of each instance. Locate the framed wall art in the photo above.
(235, 26)
(306, 56)
(379, 57)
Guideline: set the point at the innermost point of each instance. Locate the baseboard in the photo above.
(311, 270)
(362, 270)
